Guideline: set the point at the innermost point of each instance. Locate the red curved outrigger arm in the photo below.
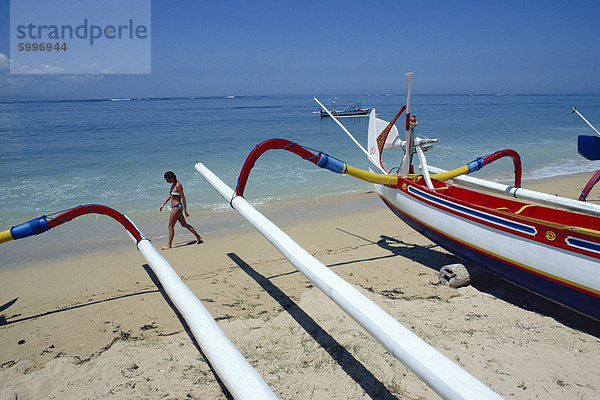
(75, 212)
(586, 190)
(507, 153)
(262, 147)
(44, 223)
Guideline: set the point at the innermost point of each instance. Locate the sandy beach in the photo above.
(96, 326)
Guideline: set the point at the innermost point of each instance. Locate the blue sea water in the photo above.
(59, 154)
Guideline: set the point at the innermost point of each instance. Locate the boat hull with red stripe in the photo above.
(551, 252)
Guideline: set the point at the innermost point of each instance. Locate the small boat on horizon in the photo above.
(354, 110)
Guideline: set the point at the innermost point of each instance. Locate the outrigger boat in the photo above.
(548, 245)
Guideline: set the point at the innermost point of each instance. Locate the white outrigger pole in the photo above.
(349, 135)
(441, 374)
(525, 194)
(236, 373)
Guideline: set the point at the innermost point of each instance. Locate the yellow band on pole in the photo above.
(393, 179)
(451, 174)
(5, 236)
(371, 177)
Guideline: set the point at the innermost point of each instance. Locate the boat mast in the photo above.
(406, 161)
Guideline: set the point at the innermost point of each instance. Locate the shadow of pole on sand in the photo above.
(374, 388)
(4, 320)
(187, 329)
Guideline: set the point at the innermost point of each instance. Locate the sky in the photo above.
(220, 48)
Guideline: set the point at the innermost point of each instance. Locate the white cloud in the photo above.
(43, 81)
(43, 69)
(51, 69)
(95, 69)
(4, 64)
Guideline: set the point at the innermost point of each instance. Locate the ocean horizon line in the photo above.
(233, 97)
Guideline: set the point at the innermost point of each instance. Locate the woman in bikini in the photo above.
(178, 208)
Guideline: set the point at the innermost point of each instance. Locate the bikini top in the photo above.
(174, 193)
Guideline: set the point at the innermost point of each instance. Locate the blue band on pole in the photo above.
(33, 227)
(475, 165)
(331, 163)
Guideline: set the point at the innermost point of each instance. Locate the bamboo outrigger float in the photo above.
(440, 373)
(242, 381)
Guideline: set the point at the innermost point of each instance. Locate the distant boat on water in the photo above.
(354, 110)
(120, 99)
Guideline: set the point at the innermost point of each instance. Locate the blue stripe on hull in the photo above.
(574, 299)
(583, 244)
(474, 213)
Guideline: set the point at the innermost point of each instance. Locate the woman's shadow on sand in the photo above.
(188, 243)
